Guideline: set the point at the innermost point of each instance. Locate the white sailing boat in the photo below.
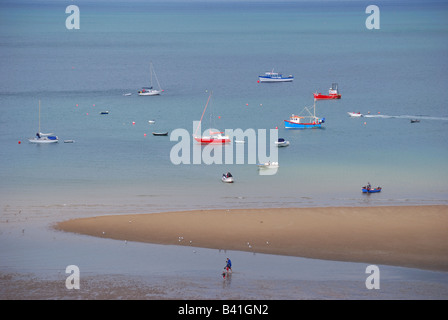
(43, 137)
(150, 91)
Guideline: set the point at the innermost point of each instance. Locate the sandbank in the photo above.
(408, 236)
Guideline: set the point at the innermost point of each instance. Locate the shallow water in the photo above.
(29, 246)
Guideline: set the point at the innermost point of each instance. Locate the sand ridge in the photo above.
(410, 236)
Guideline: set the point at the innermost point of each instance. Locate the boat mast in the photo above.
(39, 117)
(203, 112)
(150, 71)
(155, 76)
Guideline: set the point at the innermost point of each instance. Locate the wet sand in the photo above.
(408, 236)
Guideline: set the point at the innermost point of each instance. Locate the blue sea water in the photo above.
(116, 165)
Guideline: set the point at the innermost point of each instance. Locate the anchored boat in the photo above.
(227, 177)
(368, 189)
(43, 137)
(333, 93)
(309, 120)
(272, 76)
(150, 91)
(268, 165)
(281, 143)
(214, 136)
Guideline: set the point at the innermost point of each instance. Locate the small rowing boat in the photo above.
(281, 143)
(227, 177)
(368, 189)
(268, 165)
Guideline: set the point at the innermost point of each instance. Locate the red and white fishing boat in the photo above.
(213, 136)
(333, 93)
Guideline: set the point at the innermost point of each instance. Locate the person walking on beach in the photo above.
(228, 265)
(227, 269)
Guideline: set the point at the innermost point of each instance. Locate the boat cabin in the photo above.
(333, 89)
(312, 120)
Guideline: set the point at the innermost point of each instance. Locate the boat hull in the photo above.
(375, 190)
(354, 114)
(149, 93)
(282, 144)
(268, 165)
(294, 125)
(320, 96)
(211, 140)
(227, 180)
(269, 79)
(43, 141)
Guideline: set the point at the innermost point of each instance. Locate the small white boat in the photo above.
(281, 143)
(151, 121)
(227, 177)
(355, 114)
(268, 165)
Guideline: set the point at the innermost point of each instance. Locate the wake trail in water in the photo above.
(419, 117)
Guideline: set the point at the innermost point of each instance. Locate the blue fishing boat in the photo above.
(368, 189)
(272, 76)
(309, 120)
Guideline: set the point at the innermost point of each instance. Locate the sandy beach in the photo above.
(408, 236)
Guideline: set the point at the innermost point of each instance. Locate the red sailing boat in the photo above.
(213, 137)
(333, 93)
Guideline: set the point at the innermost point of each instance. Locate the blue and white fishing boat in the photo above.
(272, 76)
(310, 120)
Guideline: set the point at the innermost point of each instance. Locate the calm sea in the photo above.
(115, 165)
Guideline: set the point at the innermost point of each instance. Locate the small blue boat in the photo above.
(369, 189)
